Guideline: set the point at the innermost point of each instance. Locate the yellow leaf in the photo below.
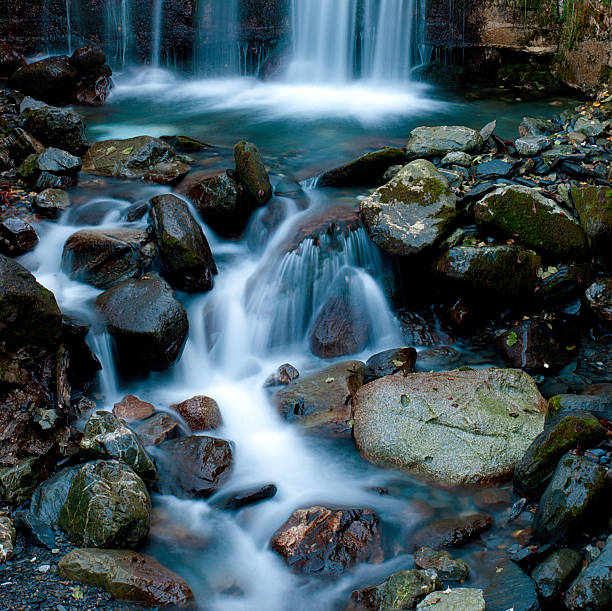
(127, 151)
(110, 149)
(329, 380)
(77, 593)
(398, 363)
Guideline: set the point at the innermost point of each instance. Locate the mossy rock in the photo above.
(413, 212)
(594, 206)
(18, 481)
(108, 506)
(535, 469)
(252, 172)
(534, 221)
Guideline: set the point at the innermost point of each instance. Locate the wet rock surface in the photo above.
(132, 408)
(432, 141)
(56, 127)
(453, 532)
(447, 567)
(328, 541)
(554, 573)
(400, 360)
(200, 413)
(458, 599)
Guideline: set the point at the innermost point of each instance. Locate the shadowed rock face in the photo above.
(327, 541)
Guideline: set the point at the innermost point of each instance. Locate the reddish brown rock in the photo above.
(328, 541)
(132, 408)
(158, 429)
(200, 413)
(453, 532)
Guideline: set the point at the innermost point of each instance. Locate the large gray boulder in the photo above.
(148, 324)
(438, 141)
(412, 212)
(103, 258)
(188, 261)
(456, 427)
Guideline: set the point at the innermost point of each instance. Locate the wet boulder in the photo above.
(107, 506)
(438, 141)
(342, 326)
(104, 258)
(126, 575)
(10, 60)
(324, 541)
(456, 427)
(193, 467)
(220, 204)
(592, 589)
(51, 203)
(284, 375)
(528, 146)
(105, 436)
(157, 429)
(447, 567)
(561, 406)
(184, 250)
(149, 326)
(536, 126)
(56, 127)
(453, 532)
(412, 212)
(562, 283)
(322, 402)
(540, 345)
(52, 169)
(524, 214)
(535, 469)
(200, 413)
(18, 480)
(457, 599)
(235, 500)
(499, 271)
(578, 491)
(17, 237)
(599, 298)
(21, 145)
(594, 206)
(83, 364)
(554, 573)
(141, 158)
(93, 91)
(52, 79)
(132, 408)
(396, 360)
(402, 590)
(368, 169)
(252, 173)
(88, 59)
(49, 498)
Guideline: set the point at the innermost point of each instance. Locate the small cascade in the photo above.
(218, 49)
(68, 27)
(156, 32)
(118, 32)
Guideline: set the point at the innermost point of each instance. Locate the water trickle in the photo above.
(156, 33)
(68, 27)
(118, 32)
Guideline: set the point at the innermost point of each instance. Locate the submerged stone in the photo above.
(252, 173)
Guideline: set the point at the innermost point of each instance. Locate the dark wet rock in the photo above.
(8, 536)
(490, 499)
(132, 408)
(592, 589)
(561, 283)
(17, 237)
(502, 271)
(186, 144)
(457, 599)
(126, 575)
(452, 532)
(184, 250)
(541, 345)
(457, 158)
(325, 541)
(412, 212)
(193, 467)
(220, 204)
(88, 60)
(52, 169)
(104, 258)
(157, 429)
(51, 79)
(35, 530)
(21, 145)
(365, 170)
(579, 488)
(322, 402)
(148, 324)
(83, 364)
(535, 126)
(93, 91)
(233, 501)
(252, 173)
(49, 498)
(417, 331)
(561, 406)
(533, 220)
(528, 146)
(142, 157)
(342, 324)
(594, 206)
(107, 506)
(284, 375)
(447, 567)
(438, 141)
(599, 298)
(554, 573)
(495, 168)
(105, 436)
(29, 102)
(30, 319)
(200, 413)
(397, 360)
(18, 480)
(457, 427)
(534, 471)
(52, 203)
(10, 60)
(56, 127)
(402, 590)
(57, 161)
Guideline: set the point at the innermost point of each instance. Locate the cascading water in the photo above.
(118, 32)
(68, 27)
(156, 32)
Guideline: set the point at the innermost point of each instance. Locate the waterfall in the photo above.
(68, 28)
(117, 25)
(156, 32)
(218, 50)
